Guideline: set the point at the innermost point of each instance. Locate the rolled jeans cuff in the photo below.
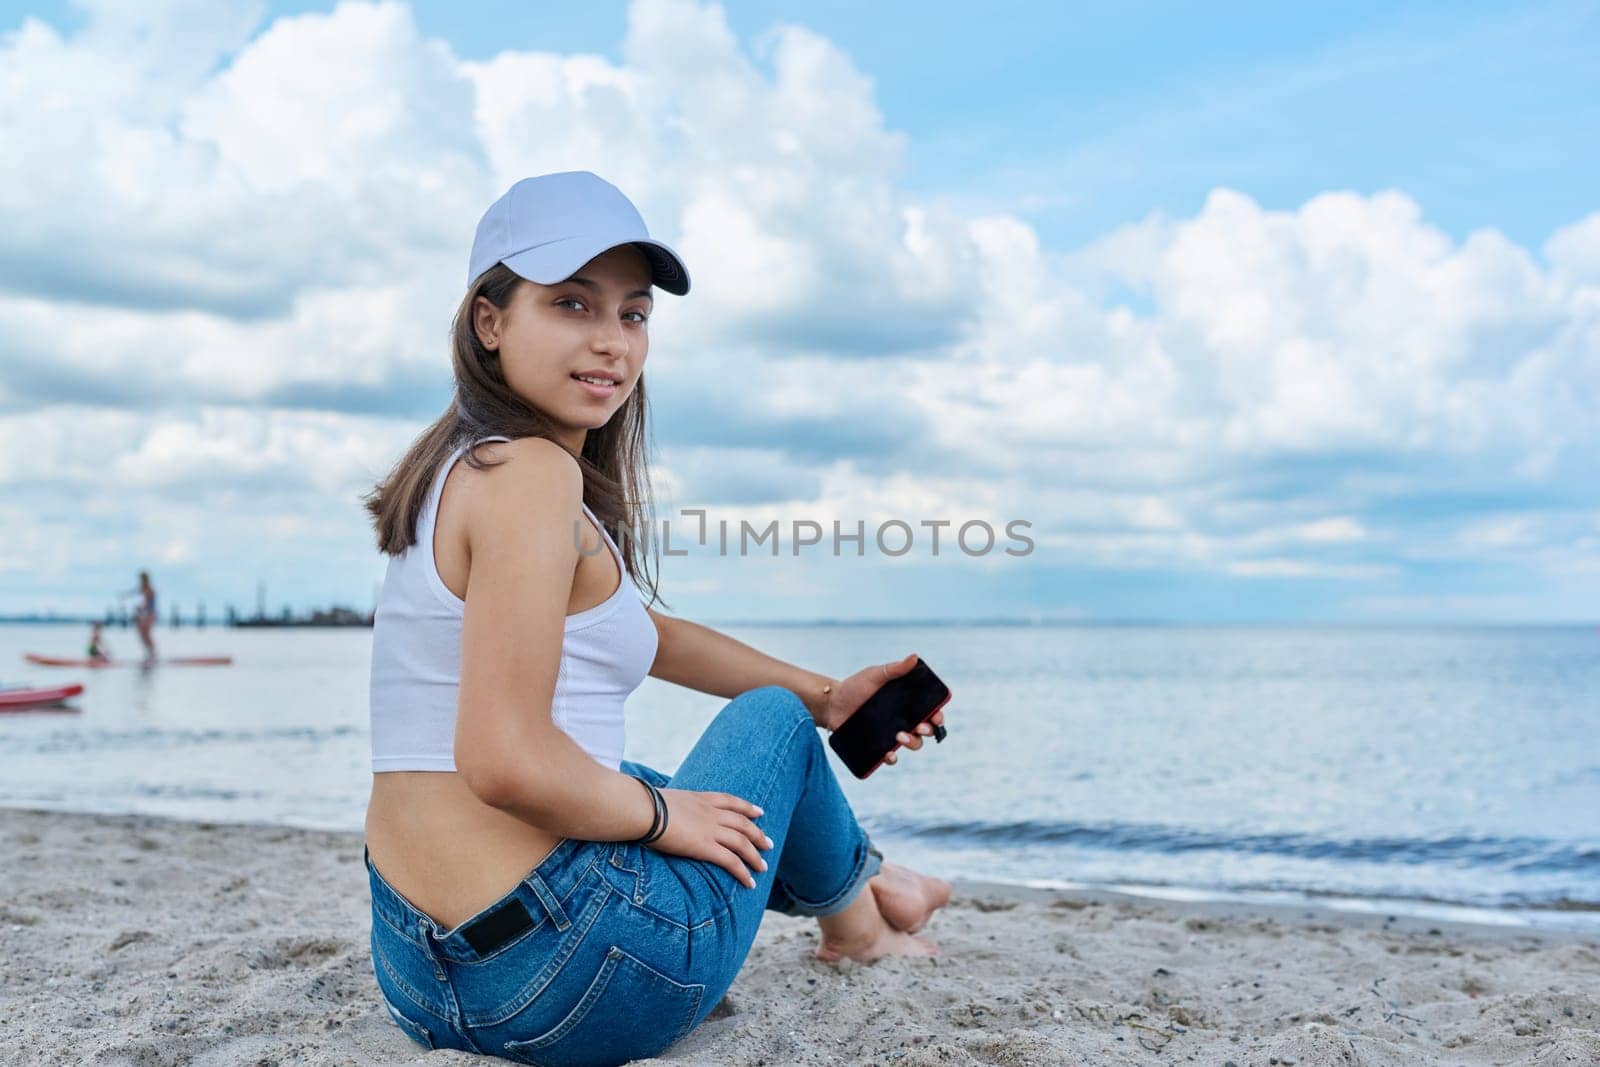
(868, 863)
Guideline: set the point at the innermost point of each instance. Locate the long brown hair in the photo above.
(614, 461)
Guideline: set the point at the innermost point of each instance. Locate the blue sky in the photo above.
(1307, 298)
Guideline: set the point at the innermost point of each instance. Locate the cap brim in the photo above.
(559, 260)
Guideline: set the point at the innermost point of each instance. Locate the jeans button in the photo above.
(638, 898)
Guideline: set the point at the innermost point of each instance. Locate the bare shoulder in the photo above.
(529, 476)
(529, 457)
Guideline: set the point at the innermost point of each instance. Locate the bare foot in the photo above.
(863, 934)
(888, 942)
(906, 898)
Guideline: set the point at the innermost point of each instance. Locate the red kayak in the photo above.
(21, 699)
(177, 661)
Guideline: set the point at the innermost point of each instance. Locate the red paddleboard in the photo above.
(177, 661)
(29, 699)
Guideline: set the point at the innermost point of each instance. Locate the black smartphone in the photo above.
(868, 735)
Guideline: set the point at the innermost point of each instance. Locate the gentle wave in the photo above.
(1512, 909)
(1522, 854)
(169, 738)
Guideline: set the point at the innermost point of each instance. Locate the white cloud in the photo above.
(1573, 252)
(260, 219)
(1297, 568)
(1334, 530)
(184, 456)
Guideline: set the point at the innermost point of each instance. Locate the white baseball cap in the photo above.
(546, 227)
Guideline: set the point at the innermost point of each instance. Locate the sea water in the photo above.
(1394, 768)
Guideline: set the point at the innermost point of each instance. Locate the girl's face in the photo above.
(590, 325)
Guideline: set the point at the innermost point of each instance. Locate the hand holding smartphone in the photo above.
(868, 735)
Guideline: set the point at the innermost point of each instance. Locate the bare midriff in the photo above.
(432, 838)
(447, 852)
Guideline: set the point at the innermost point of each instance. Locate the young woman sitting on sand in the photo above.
(534, 895)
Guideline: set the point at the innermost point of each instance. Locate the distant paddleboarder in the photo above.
(144, 616)
(97, 643)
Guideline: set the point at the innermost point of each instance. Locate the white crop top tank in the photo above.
(606, 652)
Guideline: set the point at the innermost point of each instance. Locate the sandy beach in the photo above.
(141, 940)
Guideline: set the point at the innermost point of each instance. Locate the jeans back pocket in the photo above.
(630, 1011)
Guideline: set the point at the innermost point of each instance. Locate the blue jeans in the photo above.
(627, 949)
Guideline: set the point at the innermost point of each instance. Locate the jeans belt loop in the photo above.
(541, 890)
(424, 927)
